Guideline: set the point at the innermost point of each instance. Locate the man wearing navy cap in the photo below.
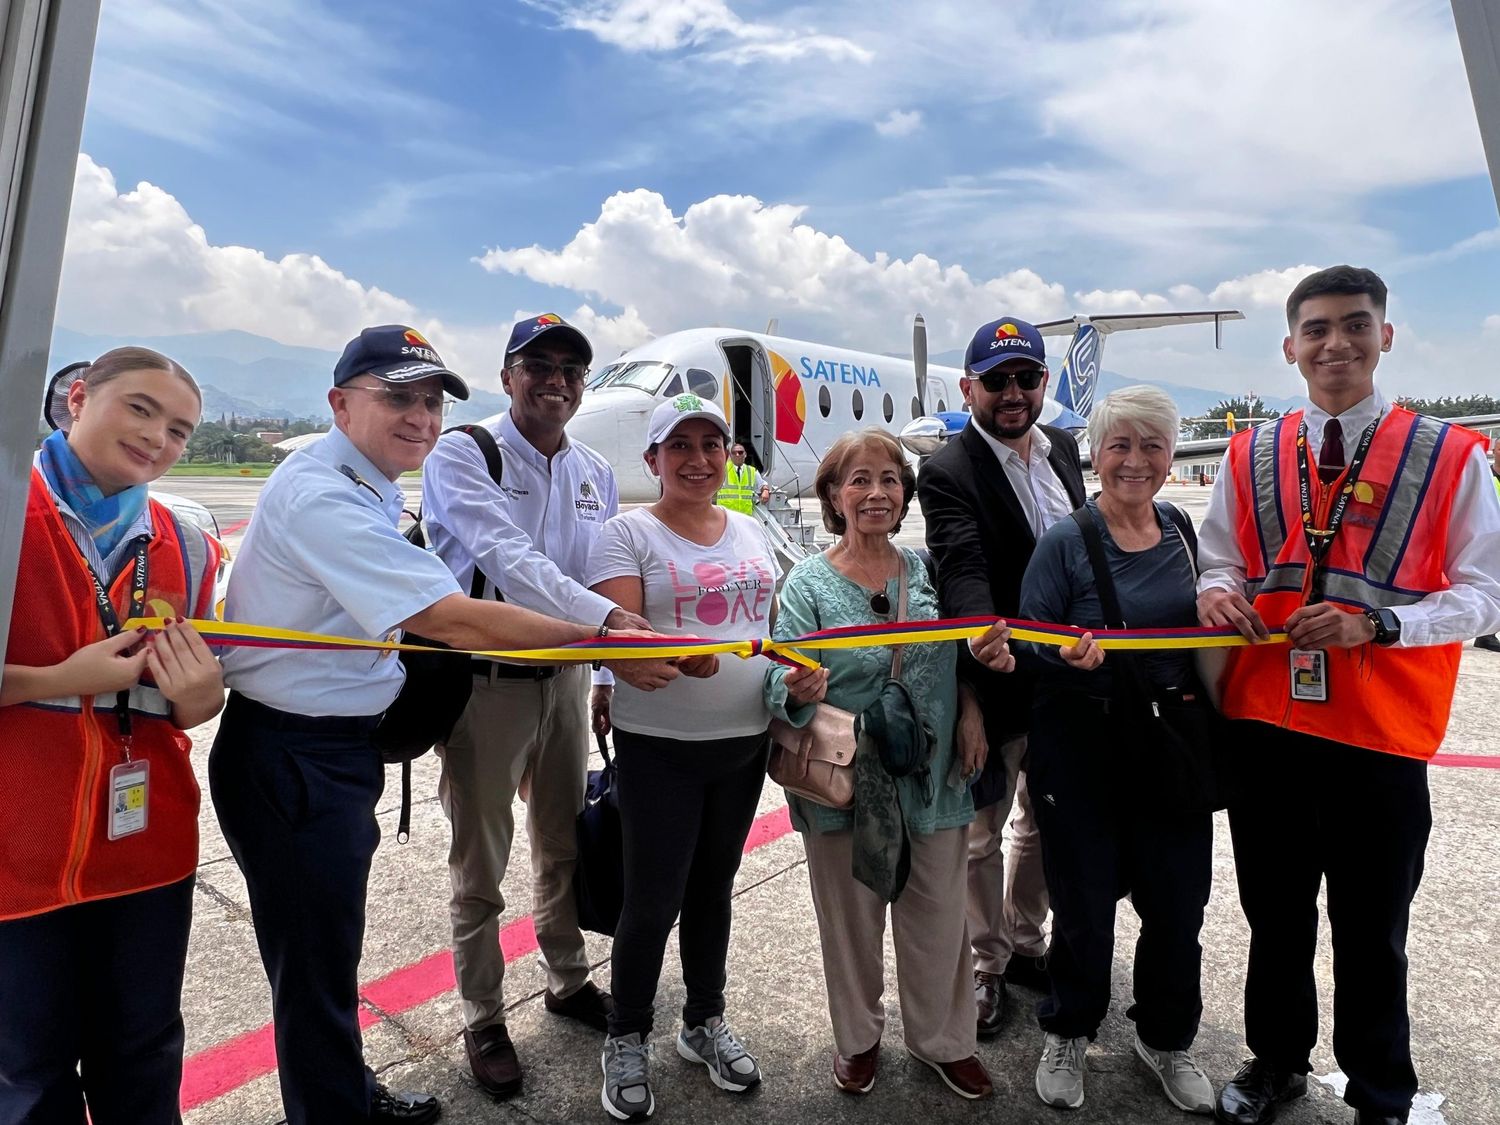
(529, 535)
(294, 775)
(987, 496)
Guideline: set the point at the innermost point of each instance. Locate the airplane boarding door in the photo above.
(750, 402)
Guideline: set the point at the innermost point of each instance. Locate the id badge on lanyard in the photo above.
(1308, 668)
(130, 780)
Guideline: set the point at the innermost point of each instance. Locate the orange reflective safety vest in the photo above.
(57, 753)
(1388, 552)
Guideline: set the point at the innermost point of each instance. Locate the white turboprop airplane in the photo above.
(787, 400)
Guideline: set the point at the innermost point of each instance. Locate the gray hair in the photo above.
(1142, 409)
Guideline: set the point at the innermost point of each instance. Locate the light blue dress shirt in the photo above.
(322, 555)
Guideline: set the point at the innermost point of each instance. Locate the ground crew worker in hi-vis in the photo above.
(743, 485)
(294, 774)
(1371, 535)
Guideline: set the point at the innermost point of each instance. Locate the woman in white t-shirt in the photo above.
(691, 748)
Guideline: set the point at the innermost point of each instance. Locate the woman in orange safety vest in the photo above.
(99, 839)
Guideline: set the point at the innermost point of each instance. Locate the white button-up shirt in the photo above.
(1471, 604)
(531, 536)
(1043, 497)
(322, 555)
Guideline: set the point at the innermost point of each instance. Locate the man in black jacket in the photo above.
(987, 496)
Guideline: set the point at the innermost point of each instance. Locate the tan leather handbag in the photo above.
(815, 761)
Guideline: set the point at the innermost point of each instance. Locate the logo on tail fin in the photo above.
(1080, 371)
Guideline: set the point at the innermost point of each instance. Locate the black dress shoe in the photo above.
(1252, 1095)
(395, 1106)
(1029, 972)
(1491, 642)
(990, 1001)
(492, 1058)
(589, 1004)
(1365, 1117)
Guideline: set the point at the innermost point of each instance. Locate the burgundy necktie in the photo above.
(1331, 456)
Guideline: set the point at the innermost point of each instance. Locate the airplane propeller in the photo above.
(919, 361)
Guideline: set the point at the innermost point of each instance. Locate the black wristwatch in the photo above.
(1387, 625)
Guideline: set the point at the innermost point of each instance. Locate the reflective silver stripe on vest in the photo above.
(1341, 587)
(143, 701)
(1265, 441)
(1388, 545)
(1279, 579)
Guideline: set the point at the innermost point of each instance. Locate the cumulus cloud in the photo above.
(899, 123)
(734, 259)
(669, 25)
(1264, 289)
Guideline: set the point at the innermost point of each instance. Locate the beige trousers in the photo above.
(514, 728)
(1007, 894)
(934, 975)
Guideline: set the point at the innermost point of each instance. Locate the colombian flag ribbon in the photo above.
(794, 650)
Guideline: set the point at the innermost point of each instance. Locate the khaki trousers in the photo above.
(511, 729)
(934, 974)
(1007, 894)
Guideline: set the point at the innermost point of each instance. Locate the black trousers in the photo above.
(685, 810)
(1103, 838)
(91, 1011)
(1315, 809)
(296, 799)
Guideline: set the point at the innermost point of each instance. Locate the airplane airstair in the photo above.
(790, 538)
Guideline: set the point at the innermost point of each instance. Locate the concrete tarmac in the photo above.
(776, 999)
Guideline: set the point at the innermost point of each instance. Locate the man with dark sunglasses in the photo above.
(529, 534)
(987, 497)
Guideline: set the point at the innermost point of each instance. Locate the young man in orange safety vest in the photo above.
(1370, 535)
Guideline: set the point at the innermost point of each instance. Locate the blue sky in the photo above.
(640, 166)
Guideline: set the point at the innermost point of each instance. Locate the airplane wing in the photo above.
(1122, 322)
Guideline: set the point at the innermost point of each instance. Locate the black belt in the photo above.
(289, 720)
(496, 670)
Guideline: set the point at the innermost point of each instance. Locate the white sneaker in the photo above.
(1059, 1076)
(1182, 1079)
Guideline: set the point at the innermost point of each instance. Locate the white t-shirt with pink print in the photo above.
(722, 591)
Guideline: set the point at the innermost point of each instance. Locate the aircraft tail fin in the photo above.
(1080, 371)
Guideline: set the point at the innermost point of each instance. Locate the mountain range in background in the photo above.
(252, 376)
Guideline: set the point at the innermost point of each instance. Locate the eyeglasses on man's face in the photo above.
(1028, 379)
(535, 368)
(400, 400)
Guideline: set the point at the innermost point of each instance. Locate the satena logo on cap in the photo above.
(548, 319)
(557, 330)
(412, 336)
(1003, 339)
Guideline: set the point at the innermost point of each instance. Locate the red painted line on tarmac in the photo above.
(235, 527)
(1471, 761)
(225, 1067)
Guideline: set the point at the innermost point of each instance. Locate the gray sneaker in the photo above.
(730, 1066)
(1182, 1079)
(626, 1063)
(1059, 1076)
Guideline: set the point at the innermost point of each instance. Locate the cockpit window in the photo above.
(673, 387)
(702, 383)
(604, 375)
(641, 376)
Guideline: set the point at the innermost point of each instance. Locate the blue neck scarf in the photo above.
(107, 518)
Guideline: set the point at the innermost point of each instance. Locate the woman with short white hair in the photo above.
(1118, 813)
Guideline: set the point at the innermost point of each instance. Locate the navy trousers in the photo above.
(1360, 819)
(1103, 838)
(296, 800)
(91, 1011)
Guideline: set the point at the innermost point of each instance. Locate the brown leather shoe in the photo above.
(589, 1004)
(990, 1003)
(856, 1074)
(492, 1058)
(967, 1077)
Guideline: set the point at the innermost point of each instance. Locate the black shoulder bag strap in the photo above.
(496, 465)
(1131, 679)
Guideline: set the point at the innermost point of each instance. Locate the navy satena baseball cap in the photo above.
(1006, 338)
(394, 353)
(563, 333)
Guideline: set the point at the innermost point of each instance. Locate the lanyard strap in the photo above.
(1320, 540)
(111, 622)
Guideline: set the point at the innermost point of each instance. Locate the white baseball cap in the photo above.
(675, 411)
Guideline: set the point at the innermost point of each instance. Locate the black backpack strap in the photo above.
(403, 826)
(1104, 582)
(1185, 529)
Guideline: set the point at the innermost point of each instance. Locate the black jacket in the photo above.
(981, 542)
